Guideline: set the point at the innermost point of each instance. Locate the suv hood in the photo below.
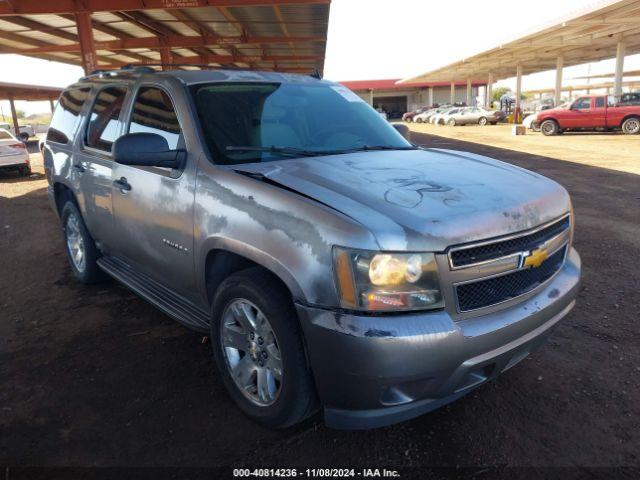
(422, 199)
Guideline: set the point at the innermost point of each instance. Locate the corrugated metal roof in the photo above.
(291, 36)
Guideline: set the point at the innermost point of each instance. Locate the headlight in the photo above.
(381, 281)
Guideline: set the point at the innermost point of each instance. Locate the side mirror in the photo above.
(402, 130)
(146, 150)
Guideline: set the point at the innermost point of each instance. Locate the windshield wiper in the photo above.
(371, 148)
(288, 151)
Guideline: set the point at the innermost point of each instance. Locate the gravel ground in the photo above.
(95, 376)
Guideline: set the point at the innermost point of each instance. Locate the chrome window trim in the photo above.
(502, 239)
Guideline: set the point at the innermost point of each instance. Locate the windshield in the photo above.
(261, 122)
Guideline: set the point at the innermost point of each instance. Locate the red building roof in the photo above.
(392, 84)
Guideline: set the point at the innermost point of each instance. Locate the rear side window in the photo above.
(67, 115)
(600, 102)
(104, 125)
(153, 112)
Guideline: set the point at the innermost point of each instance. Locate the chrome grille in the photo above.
(466, 256)
(494, 290)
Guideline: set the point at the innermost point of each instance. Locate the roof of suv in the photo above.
(191, 77)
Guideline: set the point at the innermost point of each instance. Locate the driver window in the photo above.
(153, 112)
(582, 103)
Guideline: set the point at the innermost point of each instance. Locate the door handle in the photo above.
(79, 167)
(122, 184)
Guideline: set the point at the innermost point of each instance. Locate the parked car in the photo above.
(590, 112)
(424, 116)
(472, 115)
(438, 118)
(408, 117)
(26, 131)
(13, 154)
(317, 247)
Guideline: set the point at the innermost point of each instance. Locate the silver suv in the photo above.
(334, 264)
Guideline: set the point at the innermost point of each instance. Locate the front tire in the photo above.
(24, 137)
(81, 249)
(631, 126)
(549, 128)
(258, 349)
(451, 122)
(483, 121)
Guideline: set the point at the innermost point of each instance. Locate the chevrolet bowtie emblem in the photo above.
(535, 258)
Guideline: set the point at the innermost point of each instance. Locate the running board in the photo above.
(160, 296)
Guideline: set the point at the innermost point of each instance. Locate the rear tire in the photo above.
(292, 397)
(549, 128)
(418, 120)
(482, 121)
(451, 122)
(24, 137)
(81, 249)
(25, 171)
(631, 126)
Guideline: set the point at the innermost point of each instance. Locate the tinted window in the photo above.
(600, 102)
(4, 135)
(67, 115)
(104, 126)
(153, 112)
(315, 117)
(582, 103)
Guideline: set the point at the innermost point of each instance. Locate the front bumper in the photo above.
(372, 371)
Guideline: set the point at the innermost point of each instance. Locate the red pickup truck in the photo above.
(591, 112)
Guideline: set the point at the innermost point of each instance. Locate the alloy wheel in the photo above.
(75, 242)
(631, 126)
(251, 352)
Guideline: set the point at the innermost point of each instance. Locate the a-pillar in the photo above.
(558, 90)
(617, 84)
(87, 45)
(14, 116)
(516, 112)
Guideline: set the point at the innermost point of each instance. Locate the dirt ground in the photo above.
(610, 150)
(95, 376)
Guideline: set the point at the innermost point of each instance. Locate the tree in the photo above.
(20, 113)
(498, 92)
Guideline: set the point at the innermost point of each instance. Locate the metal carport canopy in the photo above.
(281, 35)
(609, 29)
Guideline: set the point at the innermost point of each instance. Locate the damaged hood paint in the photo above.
(423, 199)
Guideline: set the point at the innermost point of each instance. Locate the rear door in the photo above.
(153, 218)
(93, 162)
(599, 112)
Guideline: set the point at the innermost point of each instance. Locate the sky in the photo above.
(378, 39)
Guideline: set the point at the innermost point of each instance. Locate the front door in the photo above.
(579, 115)
(152, 206)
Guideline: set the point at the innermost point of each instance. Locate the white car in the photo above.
(529, 119)
(439, 118)
(26, 131)
(13, 154)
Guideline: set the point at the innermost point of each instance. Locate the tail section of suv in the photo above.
(334, 265)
